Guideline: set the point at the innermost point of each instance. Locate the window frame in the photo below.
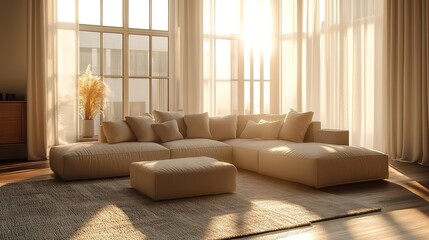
(126, 31)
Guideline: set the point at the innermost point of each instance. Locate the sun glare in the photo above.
(257, 22)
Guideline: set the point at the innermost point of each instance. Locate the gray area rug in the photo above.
(111, 209)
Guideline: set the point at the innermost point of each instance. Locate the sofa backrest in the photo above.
(309, 135)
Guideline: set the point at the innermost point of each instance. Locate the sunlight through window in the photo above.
(112, 13)
(66, 11)
(89, 12)
(245, 29)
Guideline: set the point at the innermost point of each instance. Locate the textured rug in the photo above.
(111, 209)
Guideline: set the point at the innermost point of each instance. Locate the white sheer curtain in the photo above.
(51, 84)
(187, 32)
(332, 65)
(240, 52)
(407, 80)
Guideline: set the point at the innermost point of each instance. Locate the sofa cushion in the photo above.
(245, 151)
(263, 129)
(99, 160)
(141, 127)
(197, 125)
(179, 116)
(118, 131)
(223, 128)
(243, 119)
(322, 165)
(295, 126)
(167, 131)
(200, 147)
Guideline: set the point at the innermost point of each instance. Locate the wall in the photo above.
(13, 47)
(13, 60)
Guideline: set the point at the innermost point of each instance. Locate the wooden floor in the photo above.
(404, 199)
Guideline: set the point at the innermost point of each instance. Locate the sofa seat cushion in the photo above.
(322, 165)
(98, 160)
(200, 147)
(245, 151)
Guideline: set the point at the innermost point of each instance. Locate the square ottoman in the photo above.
(182, 177)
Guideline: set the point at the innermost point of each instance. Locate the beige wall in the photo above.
(13, 60)
(13, 47)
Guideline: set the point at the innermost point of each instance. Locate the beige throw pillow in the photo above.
(263, 129)
(118, 131)
(295, 126)
(197, 125)
(141, 127)
(179, 116)
(101, 136)
(223, 128)
(167, 131)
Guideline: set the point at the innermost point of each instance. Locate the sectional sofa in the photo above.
(290, 147)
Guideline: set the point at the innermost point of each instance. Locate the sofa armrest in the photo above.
(332, 136)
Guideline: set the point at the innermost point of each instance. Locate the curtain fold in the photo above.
(51, 81)
(407, 80)
(37, 129)
(189, 55)
(338, 64)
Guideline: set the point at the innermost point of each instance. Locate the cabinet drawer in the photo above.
(12, 121)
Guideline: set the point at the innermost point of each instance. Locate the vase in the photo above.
(88, 128)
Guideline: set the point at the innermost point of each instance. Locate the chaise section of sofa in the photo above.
(322, 165)
(100, 160)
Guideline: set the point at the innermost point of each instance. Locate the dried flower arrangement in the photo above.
(91, 94)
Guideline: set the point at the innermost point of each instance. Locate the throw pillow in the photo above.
(295, 126)
(179, 116)
(197, 125)
(141, 127)
(167, 131)
(101, 136)
(263, 129)
(223, 128)
(118, 131)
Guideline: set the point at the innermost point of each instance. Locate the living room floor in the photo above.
(404, 199)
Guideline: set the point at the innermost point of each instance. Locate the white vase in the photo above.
(88, 128)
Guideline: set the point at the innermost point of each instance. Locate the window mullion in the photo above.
(251, 81)
(125, 14)
(125, 62)
(125, 73)
(241, 65)
(150, 72)
(101, 61)
(150, 14)
(241, 77)
(101, 12)
(261, 79)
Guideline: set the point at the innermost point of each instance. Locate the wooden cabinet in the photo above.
(13, 122)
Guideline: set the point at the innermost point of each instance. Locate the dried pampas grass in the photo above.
(91, 94)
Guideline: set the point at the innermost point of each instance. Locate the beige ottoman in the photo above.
(182, 177)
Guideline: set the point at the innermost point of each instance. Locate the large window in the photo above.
(238, 54)
(126, 42)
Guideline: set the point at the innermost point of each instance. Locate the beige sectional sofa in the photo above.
(322, 158)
